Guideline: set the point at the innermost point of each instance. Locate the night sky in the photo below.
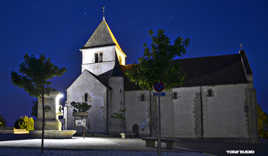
(58, 28)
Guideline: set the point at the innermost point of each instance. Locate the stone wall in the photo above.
(97, 98)
(88, 59)
(117, 102)
(137, 111)
(229, 111)
(224, 114)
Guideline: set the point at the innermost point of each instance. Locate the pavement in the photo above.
(80, 143)
(98, 145)
(101, 144)
(220, 147)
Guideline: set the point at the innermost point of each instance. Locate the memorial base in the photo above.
(49, 125)
(53, 134)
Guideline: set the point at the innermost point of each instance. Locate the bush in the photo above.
(25, 123)
(262, 121)
(80, 107)
(2, 122)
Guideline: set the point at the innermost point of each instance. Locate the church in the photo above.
(217, 99)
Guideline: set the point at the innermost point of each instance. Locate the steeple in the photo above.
(102, 37)
(101, 51)
(103, 11)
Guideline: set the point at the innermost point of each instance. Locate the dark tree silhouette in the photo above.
(2, 121)
(33, 77)
(34, 108)
(157, 65)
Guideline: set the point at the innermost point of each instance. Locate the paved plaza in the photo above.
(105, 146)
(87, 146)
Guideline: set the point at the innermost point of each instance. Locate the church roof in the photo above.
(211, 70)
(95, 76)
(115, 72)
(102, 36)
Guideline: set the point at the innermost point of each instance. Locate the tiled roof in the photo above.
(100, 37)
(212, 70)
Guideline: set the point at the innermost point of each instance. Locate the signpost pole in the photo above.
(159, 128)
(84, 132)
(158, 87)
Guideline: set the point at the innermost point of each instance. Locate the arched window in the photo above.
(101, 57)
(96, 58)
(86, 97)
(174, 95)
(142, 97)
(210, 93)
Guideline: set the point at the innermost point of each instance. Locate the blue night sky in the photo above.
(58, 28)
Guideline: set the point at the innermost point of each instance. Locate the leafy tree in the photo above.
(34, 108)
(262, 119)
(120, 116)
(33, 77)
(157, 64)
(2, 121)
(25, 123)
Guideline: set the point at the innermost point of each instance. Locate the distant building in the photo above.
(218, 98)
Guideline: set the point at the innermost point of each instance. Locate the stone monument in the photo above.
(53, 109)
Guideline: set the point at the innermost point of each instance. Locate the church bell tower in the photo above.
(100, 51)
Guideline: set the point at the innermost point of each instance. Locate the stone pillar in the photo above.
(52, 111)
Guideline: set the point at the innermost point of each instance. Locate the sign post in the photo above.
(159, 86)
(82, 123)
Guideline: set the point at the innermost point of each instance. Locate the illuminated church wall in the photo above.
(88, 59)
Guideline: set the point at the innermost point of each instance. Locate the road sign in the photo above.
(159, 86)
(159, 94)
(81, 122)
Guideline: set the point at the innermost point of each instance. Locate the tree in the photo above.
(33, 77)
(120, 116)
(262, 121)
(80, 107)
(2, 122)
(157, 65)
(34, 108)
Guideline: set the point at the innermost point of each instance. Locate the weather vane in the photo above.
(103, 11)
(241, 46)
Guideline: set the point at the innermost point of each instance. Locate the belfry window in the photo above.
(142, 97)
(101, 57)
(86, 97)
(96, 58)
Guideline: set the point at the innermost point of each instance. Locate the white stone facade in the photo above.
(86, 83)
(224, 113)
(210, 111)
(88, 59)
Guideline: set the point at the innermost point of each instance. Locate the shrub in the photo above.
(2, 122)
(25, 123)
(262, 121)
(80, 107)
